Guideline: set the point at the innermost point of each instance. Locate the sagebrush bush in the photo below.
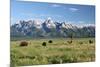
(68, 59)
(54, 60)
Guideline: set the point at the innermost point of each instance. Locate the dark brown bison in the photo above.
(69, 42)
(24, 43)
(80, 42)
(50, 41)
(90, 41)
(44, 44)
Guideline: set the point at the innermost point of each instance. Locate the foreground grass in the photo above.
(60, 51)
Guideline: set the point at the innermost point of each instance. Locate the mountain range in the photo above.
(50, 28)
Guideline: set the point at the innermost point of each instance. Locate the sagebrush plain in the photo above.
(58, 52)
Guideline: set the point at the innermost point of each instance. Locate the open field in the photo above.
(58, 52)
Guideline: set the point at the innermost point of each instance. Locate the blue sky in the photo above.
(75, 14)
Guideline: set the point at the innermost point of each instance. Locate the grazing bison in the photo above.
(90, 41)
(44, 44)
(50, 41)
(69, 42)
(80, 42)
(24, 43)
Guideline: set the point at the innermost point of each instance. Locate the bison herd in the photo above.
(25, 43)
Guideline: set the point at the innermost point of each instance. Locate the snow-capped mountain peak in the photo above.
(37, 23)
(50, 28)
(50, 23)
(67, 26)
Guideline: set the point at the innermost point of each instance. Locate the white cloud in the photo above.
(83, 23)
(73, 9)
(56, 5)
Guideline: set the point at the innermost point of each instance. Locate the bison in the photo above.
(69, 42)
(50, 41)
(80, 42)
(24, 43)
(44, 44)
(90, 41)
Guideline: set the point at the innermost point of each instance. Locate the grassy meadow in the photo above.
(58, 52)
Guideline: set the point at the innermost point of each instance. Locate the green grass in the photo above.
(58, 52)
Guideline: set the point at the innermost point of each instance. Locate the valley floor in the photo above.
(58, 52)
